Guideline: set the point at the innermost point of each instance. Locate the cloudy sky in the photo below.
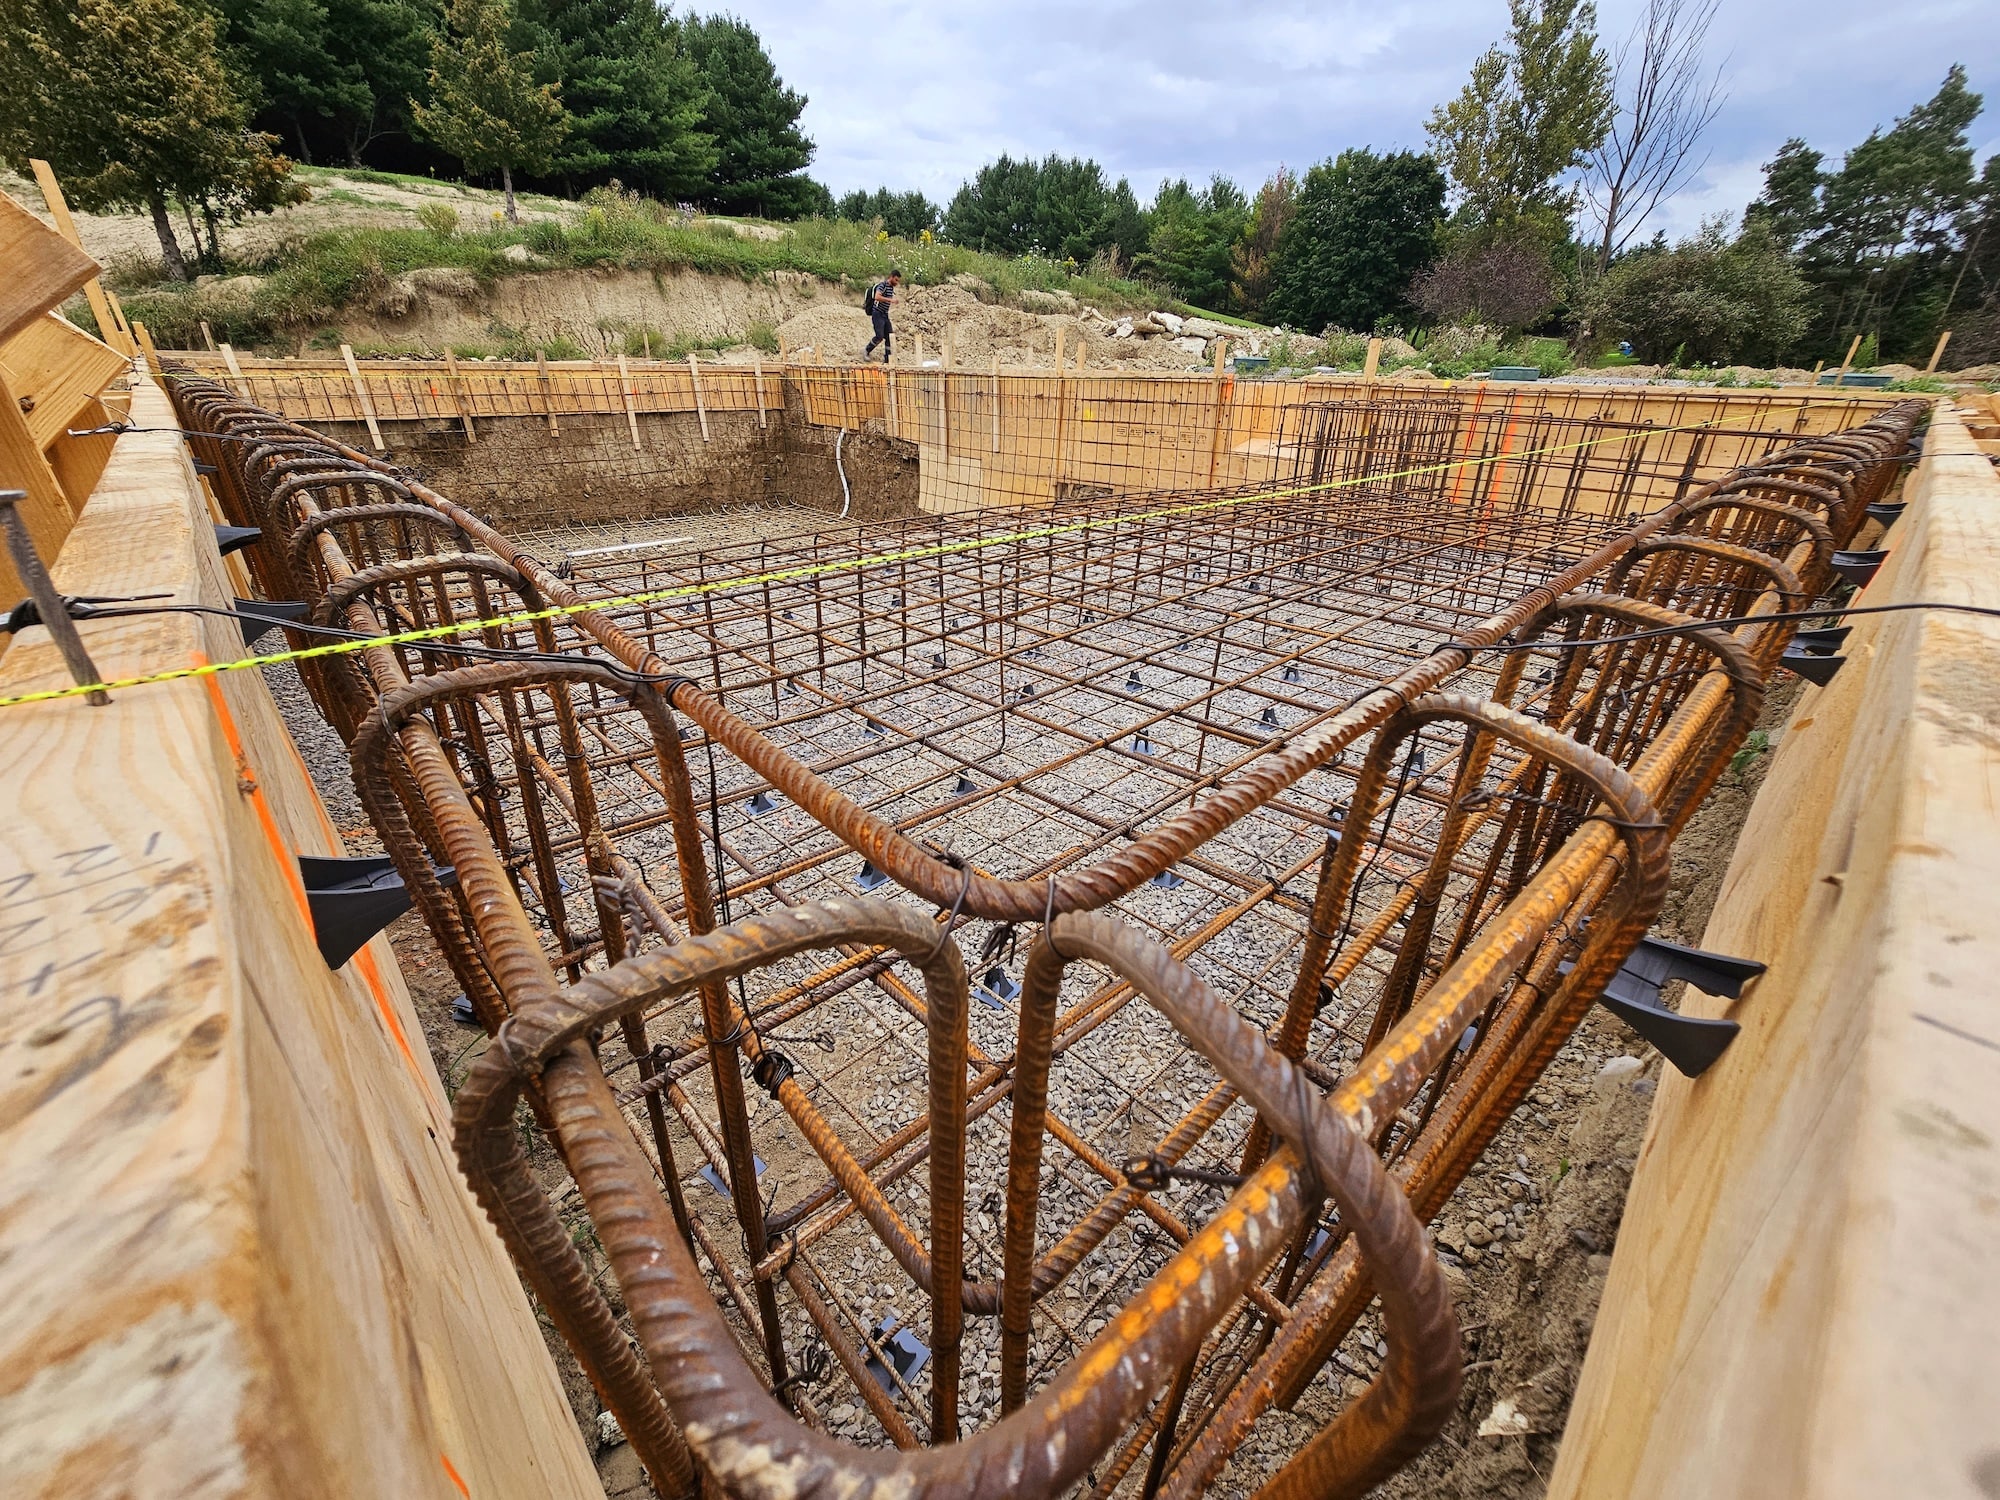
(919, 95)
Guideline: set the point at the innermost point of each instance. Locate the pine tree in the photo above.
(635, 97)
(348, 68)
(128, 101)
(754, 119)
(487, 110)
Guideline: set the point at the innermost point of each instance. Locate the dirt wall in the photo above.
(523, 478)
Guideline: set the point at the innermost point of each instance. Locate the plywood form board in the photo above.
(61, 369)
(42, 267)
(1801, 1298)
(236, 1252)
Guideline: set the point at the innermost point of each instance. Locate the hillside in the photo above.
(399, 264)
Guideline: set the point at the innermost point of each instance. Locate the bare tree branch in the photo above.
(1667, 99)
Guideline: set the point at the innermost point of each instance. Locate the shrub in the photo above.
(441, 219)
(1502, 283)
(1707, 301)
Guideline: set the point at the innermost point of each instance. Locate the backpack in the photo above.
(868, 299)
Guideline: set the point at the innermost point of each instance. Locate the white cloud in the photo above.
(919, 96)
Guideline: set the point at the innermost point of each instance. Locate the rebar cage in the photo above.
(1136, 913)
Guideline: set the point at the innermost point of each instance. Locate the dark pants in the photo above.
(882, 332)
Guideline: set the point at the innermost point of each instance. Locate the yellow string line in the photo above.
(814, 570)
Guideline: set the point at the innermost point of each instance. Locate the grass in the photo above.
(313, 281)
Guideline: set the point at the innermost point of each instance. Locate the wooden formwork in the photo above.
(1801, 1299)
(235, 1249)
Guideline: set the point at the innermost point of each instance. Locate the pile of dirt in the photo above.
(980, 332)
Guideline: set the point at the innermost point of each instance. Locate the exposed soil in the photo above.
(1527, 1306)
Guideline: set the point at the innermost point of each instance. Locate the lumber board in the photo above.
(235, 1248)
(61, 369)
(110, 326)
(23, 466)
(42, 267)
(1800, 1301)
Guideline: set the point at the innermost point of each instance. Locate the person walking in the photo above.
(876, 303)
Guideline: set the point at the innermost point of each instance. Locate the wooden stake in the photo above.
(625, 390)
(996, 403)
(207, 337)
(361, 395)
(146, 348)
(920, 351)
(1221, 353)
(236, 381)
(646, 344)
(457, 405)
(548, 401)
(895, 418)
(1938, 353)
(1372, 362)
(757, 365)
(1059, 349)
(700, 405)
(1847, 363)
(124, 323)
(1818, 365)
(110, 326)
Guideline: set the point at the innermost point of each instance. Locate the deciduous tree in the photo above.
(128, 101)
(1534, 109)
(1665, 101)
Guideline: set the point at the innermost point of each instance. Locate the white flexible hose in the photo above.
(846, 495)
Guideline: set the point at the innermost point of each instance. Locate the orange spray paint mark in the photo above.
(453, 1475)
(246, 780)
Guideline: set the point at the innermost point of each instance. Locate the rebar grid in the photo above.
(1224, 715)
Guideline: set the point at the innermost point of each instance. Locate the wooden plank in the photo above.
(236, 381)
(1847, 363)
(23, 466)
(61, 370)
(1801, 1300)
(1937, 352)
(459, 403)
(152, 355)
(548, 405)
(236, 1252)
(42, 268)
(625, 390)
(757, 365)
(110, 325)
(700, 406)
(363, 400)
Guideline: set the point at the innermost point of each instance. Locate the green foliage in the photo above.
(129, 102)
(1193, 236)
(904, 215)
(1058, 207)
(1885, 240)
(1756, 744)
(635, 95)
(441, 219)
(1365, 224)
(1253, 262)
(754, 120)
(1458, 350)
(1789, 207)
(1709, 299)
(488, 110)
(339, 71)
(1927, 385)
(1533, 110)
(762, 335)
